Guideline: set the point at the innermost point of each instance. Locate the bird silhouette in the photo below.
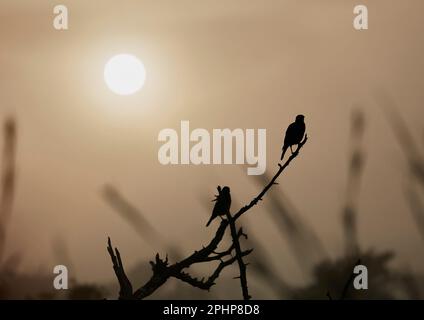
(294, 134)
(222, 203)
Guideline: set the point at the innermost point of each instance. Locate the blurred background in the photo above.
(79, 163)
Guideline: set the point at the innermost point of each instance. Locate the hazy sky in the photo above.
(235, 64)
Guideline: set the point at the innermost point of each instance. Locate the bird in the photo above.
(294, 134)
(222, 203)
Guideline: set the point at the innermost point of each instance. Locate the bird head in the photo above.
(300, 118)
(226, 189)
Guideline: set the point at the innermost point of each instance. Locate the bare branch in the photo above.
(126, 290)
(162, 271)
(272, 182)
(239, 257)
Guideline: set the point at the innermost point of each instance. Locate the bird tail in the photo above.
(284, 151)
(210, 220)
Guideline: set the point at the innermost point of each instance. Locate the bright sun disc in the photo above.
(124, 74)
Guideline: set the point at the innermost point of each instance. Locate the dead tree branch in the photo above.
(239, 257)
(126, 290)
(162, 271)
(272, 182)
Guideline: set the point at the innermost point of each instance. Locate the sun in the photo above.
(124, 74)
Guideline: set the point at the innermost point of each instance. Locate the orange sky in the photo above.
(236, 64)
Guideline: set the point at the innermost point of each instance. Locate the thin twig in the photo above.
(272, 182)
(126, 290)
(241, 264)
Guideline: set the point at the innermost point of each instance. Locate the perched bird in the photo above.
(294, 134)
(222, 203)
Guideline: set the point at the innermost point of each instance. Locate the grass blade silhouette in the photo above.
(304, 243)
(7, 183)
(132, 215)
(349, 213)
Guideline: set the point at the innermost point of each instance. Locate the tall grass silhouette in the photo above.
(329, 276)
(7, 183)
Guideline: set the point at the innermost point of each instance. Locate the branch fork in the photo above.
(162, 270)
